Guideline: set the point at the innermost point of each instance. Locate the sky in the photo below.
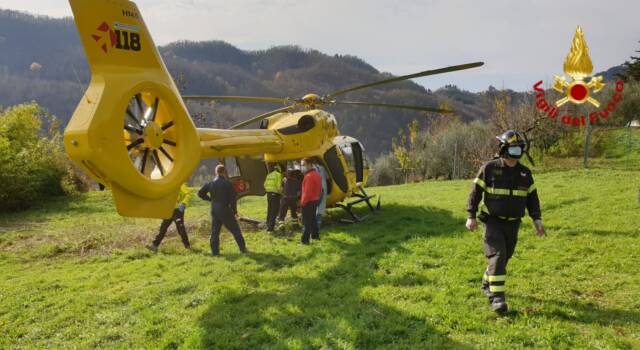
(520, 41)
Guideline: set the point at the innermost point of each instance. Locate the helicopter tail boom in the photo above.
(217, 143)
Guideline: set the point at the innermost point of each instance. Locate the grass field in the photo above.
(76, 275)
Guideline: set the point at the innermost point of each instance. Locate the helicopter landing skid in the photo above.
(362, 197)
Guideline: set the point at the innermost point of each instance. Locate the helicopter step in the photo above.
(362, 197)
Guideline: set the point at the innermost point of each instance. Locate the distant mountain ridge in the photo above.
(612, 74)
(61, 75)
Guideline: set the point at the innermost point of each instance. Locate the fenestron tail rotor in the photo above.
(311, 101)
(149, 138)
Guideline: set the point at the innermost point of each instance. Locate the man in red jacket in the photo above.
(311, 190)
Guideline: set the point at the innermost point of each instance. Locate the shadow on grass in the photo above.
(325, 308)
(268, 261)
(578, 232)
(578, 312)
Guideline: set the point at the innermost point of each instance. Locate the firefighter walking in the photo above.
(506, 188)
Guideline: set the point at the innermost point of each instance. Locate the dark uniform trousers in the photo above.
(309, 221)
(223, 215)
(178, 218)
(500, 239)
(288, 203)
(273, 209)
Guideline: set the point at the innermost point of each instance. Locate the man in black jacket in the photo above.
(508, 189)
(291, 188)
(224, 211)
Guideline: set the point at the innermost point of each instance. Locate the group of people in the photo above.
(307, 186)
(502, 191)
(283, 195)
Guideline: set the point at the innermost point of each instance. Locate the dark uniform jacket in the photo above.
(507, 192)
(291, 187)
(220, 192)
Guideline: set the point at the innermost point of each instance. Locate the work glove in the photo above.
(472, 224)
(182, 207)
(540, 231)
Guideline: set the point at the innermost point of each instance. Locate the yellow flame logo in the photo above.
(578, 66)
(578, 63)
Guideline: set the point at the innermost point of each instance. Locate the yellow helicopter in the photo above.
(132, 132)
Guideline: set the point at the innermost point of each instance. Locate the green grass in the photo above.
(76, 275)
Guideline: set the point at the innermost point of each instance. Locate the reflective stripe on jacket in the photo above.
(505, 191)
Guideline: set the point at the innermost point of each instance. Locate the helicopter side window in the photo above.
(231, 165)
(334, 166)
(358, 160)
(365, 158)
(347, 152)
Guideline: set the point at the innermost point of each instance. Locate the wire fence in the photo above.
(615, 148)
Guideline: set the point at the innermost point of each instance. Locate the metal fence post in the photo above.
(585, 162)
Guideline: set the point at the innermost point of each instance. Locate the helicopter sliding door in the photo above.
(247, 175)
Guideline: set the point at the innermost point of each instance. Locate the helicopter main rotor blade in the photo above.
(389, 105)
(240, 99)
(405, 77)
(262, 116)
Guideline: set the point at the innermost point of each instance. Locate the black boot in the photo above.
(499, 305)
(152, 247)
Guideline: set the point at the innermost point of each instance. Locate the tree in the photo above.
(406, 149)
(33, 165)
(632, 69)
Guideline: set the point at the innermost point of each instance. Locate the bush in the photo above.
(384, 171)
(458, 150)
(572, 144)
(449, 150)
(33, 165)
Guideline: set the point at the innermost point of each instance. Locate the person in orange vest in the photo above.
(184, 197)
(311, 191)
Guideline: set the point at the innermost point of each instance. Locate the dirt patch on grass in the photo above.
(34, 240)
(21, 227)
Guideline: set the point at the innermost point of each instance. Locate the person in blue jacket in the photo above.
(224, 210)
